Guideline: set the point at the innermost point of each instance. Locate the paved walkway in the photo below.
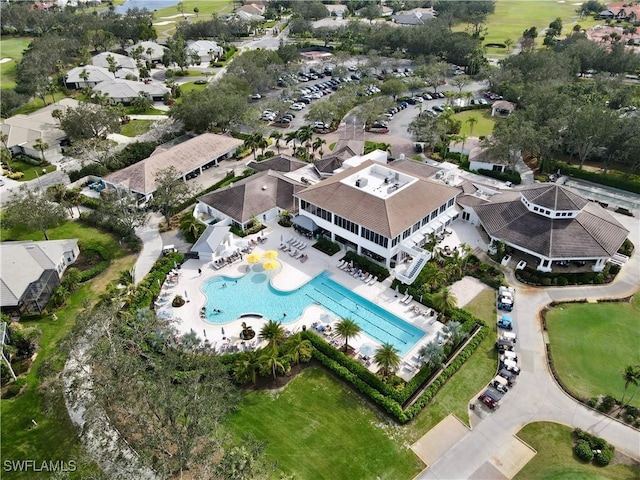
(151, 246)
(537, 397)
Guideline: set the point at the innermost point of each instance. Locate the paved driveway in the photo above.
(537, 397)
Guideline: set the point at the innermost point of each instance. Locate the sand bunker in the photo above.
(164, 23)
(180, 15)
(5, 60)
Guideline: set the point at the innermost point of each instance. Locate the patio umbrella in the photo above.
(242, 243)
(227, 252)
(253, 258)
(270, 265)
(270, 254)
(367, 350)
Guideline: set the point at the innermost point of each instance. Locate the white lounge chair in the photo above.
(299, 256)
(293, 253)
(408, 300)
(303, 246)
(404, 299)
(341, 264)
(371, 282)
(367, 278)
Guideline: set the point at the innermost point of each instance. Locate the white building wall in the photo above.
(474, 165)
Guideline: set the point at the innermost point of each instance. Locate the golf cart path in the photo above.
(537, 397)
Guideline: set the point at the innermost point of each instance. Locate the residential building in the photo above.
(548, 222)
(207, 50)
(125, 91)
(416, 16)
(31, 271)
(87, 76)
(23, 130)
(502, 108)
(189, 158)
(120, 61)
(151, 51)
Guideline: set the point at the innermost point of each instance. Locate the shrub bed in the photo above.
(589, 447)
(96, 270)
(513, 177)
(326, 246)
(149, 288)
(534, 277)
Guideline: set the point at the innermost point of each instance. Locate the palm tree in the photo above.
(298, 348)
(387, 357)
(246, 367)
(432, 354)
(472, 120)
(453, 329)
(42, 146)
(291, 137)
(318, 143)
(271, 362)
(305, 134)
(347, 329)
(631, 376)
(253, 142)
(444, 300)
(273, 333)
(262, 144)
(277, 136)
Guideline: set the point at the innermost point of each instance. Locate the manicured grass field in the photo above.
(191, 87)
(30, 171)
(54, 437)
(454, 397)
(136, 127)
(555, 459)
(220, 7)
(484, 125)
(592, 344)
(318, 428)
(36, 104)
(150, 111)
(11, 48)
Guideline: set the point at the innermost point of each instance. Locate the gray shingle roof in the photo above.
(279, 163)
(255, 195)
(389, 217)
(553, 197)
(593, 233)
(415, 168)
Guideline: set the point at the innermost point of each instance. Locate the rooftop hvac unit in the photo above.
(361, 182)
(392, 188)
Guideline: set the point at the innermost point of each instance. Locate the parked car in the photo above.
(511, 366)
(521, 265)
(505, 322)
(505, 260)
(501, 384)
(490, 399)
(510, 377)
(504, 345)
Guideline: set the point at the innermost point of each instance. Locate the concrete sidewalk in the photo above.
(151, 246)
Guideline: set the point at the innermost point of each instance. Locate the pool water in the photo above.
(253, 293)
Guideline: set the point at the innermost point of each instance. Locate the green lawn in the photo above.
(136, 127)
(11, 48)
(484, 125)
(30, 171)
(318, 428)
(54, 437)
(454, 397)
(592, 344)
(555, 460)
(220, 7)
(150, 111)
(191, 87)
(36, 104)
(511, 18)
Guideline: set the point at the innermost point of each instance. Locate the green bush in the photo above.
(326, 246)
(149, 287)
(626, 248)
(513, 177)
(14, 389)
(583, 451)
(607, 404)
(604, 456)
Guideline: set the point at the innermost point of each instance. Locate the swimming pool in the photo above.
(253, 293)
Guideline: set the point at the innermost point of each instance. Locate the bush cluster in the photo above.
(327, 246)
(589, 447)
(534, 277)
(149, 287)
(513, 177)
(96, 270)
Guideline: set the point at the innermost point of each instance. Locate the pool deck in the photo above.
(290, 275)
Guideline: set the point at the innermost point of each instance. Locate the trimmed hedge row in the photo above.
(513, 177)
(367, 265)
(623, 181)
(447, 373)
(381, 394)
(150, 287)
(355, 367)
